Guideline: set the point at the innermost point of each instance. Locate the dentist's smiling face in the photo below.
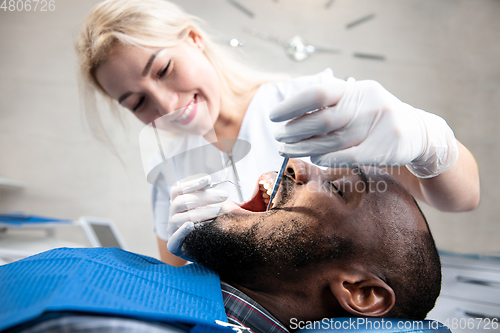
(153, 83)
(319, 215)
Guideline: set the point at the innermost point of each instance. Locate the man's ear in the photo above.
(196, 39)
(367, 296)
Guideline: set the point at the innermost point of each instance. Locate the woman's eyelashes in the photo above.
(164, 71)
(138, 104)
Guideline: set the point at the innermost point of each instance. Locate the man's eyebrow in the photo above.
(363, 177)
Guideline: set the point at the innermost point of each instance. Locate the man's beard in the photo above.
(243, 258)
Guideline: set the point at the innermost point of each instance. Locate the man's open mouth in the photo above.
(260, 199)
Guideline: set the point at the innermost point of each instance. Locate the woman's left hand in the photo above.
(361, 123)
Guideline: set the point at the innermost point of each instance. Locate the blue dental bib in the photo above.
(112, 282)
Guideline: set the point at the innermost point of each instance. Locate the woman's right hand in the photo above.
(190, 202)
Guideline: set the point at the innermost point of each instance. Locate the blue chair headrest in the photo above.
(371, 325)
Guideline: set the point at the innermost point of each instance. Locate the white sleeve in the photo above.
(160, 197)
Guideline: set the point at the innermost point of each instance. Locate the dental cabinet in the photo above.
(470, 294)
(22, 238)
(8, 184)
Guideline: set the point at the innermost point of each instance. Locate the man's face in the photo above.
(318, 215)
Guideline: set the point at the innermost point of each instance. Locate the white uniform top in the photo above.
(256, 129)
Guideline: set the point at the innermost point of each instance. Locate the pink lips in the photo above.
(191, 115)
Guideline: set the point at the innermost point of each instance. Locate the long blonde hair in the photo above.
(150, 24)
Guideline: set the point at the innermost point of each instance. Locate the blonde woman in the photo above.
(152, 58)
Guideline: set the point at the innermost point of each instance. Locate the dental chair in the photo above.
(102, 284)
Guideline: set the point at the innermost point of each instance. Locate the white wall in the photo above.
(44, 142)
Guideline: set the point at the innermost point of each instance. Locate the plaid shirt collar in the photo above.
(241, 310)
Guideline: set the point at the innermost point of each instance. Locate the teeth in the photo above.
(266, 190)
(187, 112)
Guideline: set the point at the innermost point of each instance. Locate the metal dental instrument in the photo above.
(212, 185)
(277, 184)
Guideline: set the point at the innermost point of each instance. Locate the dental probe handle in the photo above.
(277, 184)
(212, 185)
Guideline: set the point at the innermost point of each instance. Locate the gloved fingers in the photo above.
(319, 145)
(344, 158)
(352, 157)
(196, 215)
(317, 123)
(190, 184)
(174, 244)
(194, 200)
(312, 98)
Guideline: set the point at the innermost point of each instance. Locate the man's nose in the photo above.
(299, 171)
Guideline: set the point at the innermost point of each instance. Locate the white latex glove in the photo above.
(189, 202)
(174, 244)
(361, 123)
